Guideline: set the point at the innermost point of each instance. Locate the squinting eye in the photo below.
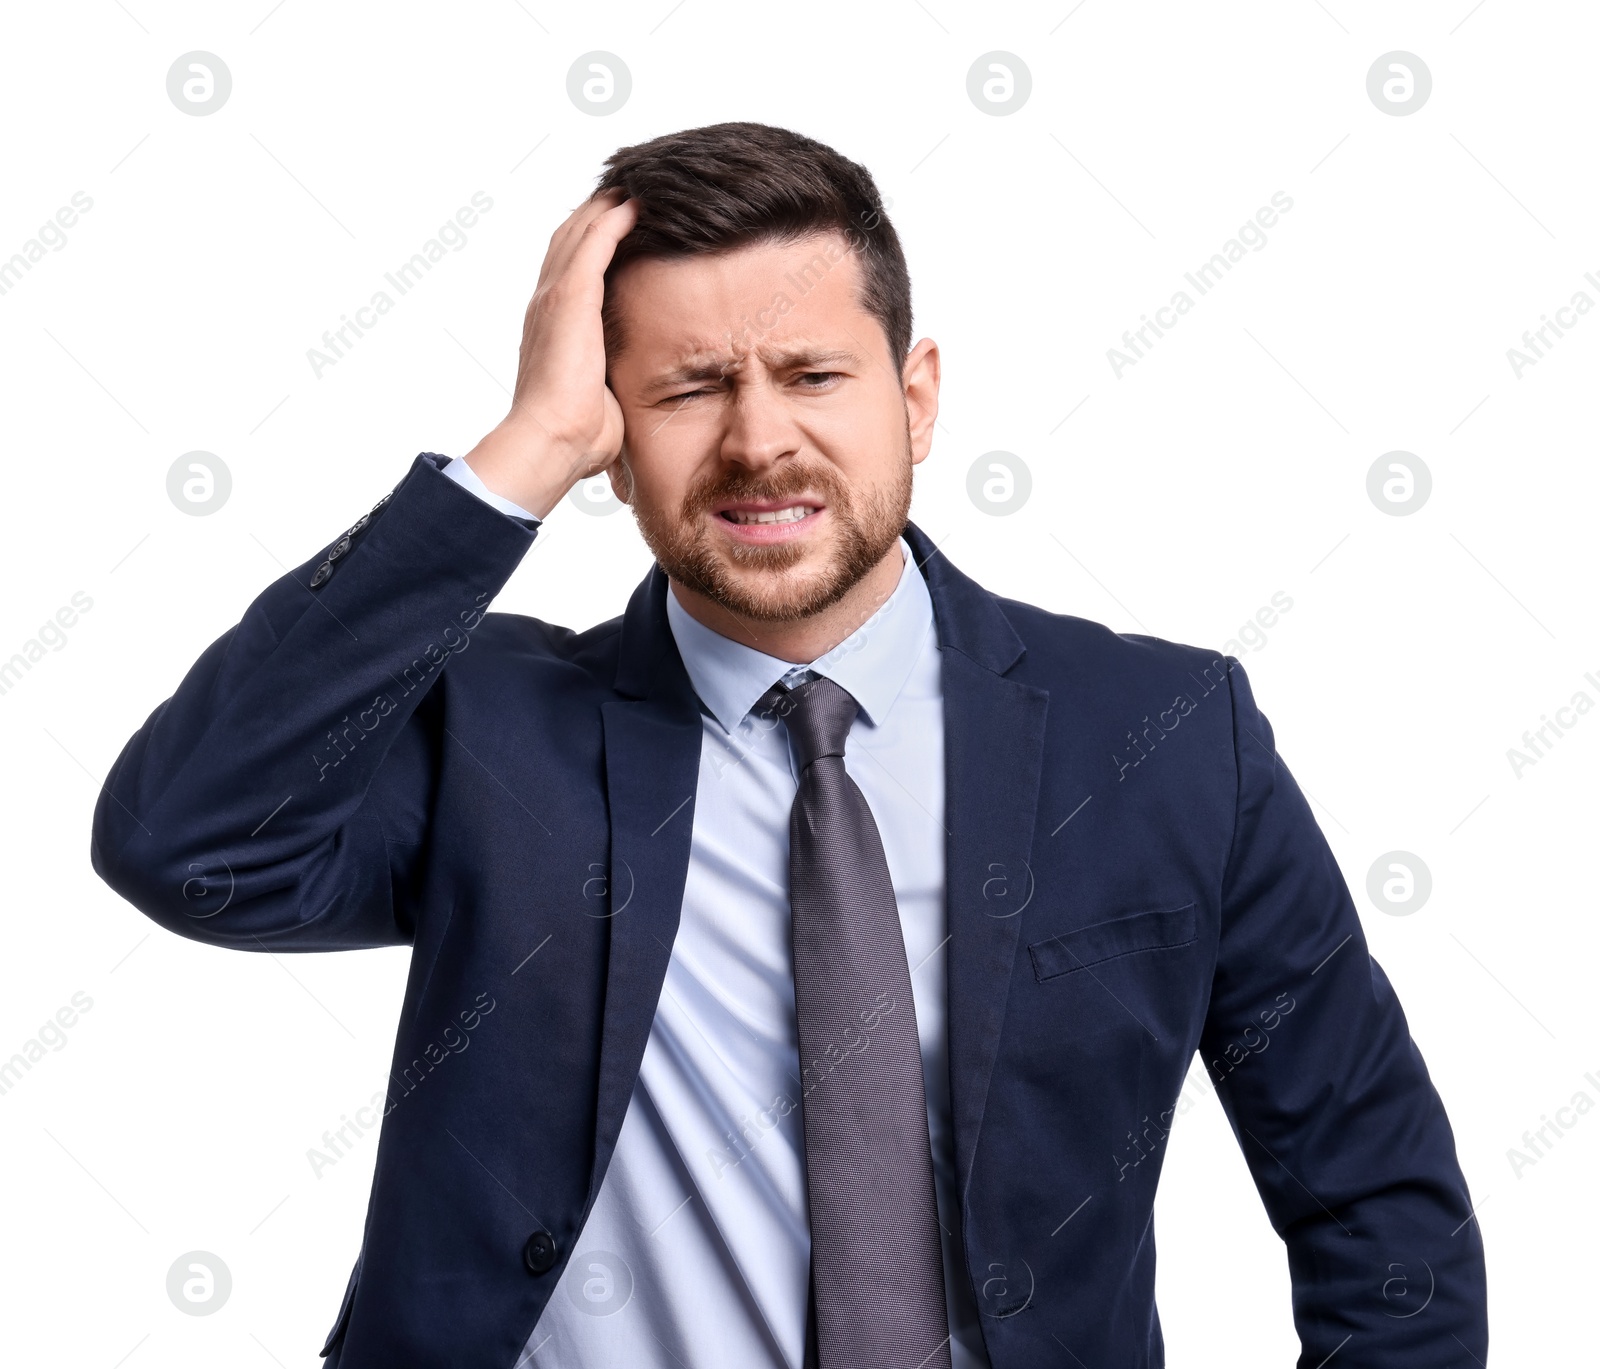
(819, 376)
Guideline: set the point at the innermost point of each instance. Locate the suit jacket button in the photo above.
(339, 548)
(539, 1254)
(320, 576)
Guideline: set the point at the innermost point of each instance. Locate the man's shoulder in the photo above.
(1069, 648)
(510, 641)
(1116, 696)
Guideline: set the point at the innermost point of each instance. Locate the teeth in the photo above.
(792, 514)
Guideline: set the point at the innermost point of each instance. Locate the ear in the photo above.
(920, 380)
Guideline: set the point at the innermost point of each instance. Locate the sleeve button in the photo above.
(320, 576)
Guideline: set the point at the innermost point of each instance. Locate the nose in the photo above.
(759, 429)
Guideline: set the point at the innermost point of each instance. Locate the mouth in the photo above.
(764, 522)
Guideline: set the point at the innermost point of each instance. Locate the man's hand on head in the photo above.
(565, 424)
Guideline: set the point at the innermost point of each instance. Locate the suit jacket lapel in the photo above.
(652, 760)
(994, 731)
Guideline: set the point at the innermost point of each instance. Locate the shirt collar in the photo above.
(873, 662)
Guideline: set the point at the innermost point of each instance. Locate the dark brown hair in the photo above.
(726, 186)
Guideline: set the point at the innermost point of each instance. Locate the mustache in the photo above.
(779, 484)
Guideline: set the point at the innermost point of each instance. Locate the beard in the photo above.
(771, 584)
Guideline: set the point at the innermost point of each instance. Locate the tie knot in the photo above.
(819, 714)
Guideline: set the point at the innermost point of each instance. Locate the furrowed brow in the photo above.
(808, 358)
(708, 367)
(695, 368)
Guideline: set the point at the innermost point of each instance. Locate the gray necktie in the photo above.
(876, 1268)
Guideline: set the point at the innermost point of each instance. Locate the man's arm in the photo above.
(244, 813)
(256, 807)
(1344, 1134)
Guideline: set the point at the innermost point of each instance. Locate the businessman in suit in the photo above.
(807, 962)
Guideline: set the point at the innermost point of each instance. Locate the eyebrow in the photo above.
(715, 366)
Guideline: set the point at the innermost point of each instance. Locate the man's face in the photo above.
(768, 443)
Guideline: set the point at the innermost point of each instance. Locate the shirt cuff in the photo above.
(464, 475)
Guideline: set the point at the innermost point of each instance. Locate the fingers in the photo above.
(597, 241)
(566, 237)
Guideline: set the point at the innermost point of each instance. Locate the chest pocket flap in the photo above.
(1070, 952)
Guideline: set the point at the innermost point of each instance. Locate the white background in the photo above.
(1228, 464)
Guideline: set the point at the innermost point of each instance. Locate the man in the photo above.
(807, 962)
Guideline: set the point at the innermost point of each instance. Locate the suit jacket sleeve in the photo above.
(274, 801)
(1345, 1136)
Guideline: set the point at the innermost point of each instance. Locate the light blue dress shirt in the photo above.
(697, 1250)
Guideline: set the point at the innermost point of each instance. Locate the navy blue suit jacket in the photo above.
(369, 759)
